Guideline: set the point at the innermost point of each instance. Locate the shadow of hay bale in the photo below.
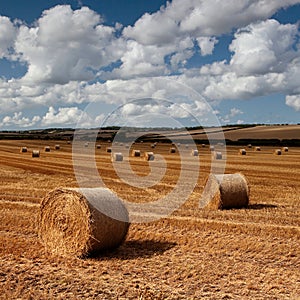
(261, 206)
(135, 249)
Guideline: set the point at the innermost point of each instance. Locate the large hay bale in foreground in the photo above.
(71, 224)
(118, 156)
(149, 156)
(226, 191)
(23, 149)
(35, 153)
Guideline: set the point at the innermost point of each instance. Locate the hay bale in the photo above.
(149, 156)
(242, 152)
(35, 153)
(68, 142)
(57, 147)
(71, 224)
(285, 149)
(172, 150)
(203, 145)
(118, 156)
(136, 153)
(98, 146)
(195, 152)
(212, 148)
(23, 149)
(152, 146)
(186, 146)
(217, 155)
(127, 146)
(226, 191)
(277, 152)
(257, 149)
(86, 144)
(249, 146)
(108, 149)
(47, 149)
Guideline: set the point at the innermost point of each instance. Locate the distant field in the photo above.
(249, 253)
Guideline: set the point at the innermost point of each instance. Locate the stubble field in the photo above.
(248, 253)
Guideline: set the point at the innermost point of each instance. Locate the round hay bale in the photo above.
(172, 150)
(242, 152)
(71, 224)
(257, 149)
(57, 147)
(127, 146)
(68, 142)
(277, 152)
(249, 146)
(118, 156)
(23, 149)
(136, 153)
(152, 146)
(212, 148)
(86, 144)
(35, 153)
(108, 149)
(226, 191)
(195, 152)
(285, 149)
(203, 145)
(98, 146)
(186, 146)
(47, 149)
(217, 155)
(149, 156)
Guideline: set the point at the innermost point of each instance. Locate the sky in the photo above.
(82, 63)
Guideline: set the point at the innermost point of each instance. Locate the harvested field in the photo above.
(248, 253)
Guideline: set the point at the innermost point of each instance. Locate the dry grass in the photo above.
(248, 253)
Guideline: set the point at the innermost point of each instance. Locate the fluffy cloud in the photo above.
(7, 36)
(293, 101)
(70, 116)
(18, 120)
(206, 45)
(66, 45)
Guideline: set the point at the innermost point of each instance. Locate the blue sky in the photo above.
(242, 58)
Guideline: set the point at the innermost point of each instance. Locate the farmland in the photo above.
(248, 253)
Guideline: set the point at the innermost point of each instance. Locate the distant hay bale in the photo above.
(152, 146)
(203, 145)
(172, 150)
(82, 222)
(186, 146)
(195, 152)
(178, 144)
(277, 152)
(86, 144)
(121, 144)
(249, 146)
(23, 149)
(226, 191)
(149, 156)
(242, 152)
(217, 155)
(136, 153)
(108, 149)
(285, 149)
(47, 149)
(35, 153)
(127, 146)
(98, 146)
(257, 149)
(68, 142)
(57, 147)
(212, 148)
(118, 156)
